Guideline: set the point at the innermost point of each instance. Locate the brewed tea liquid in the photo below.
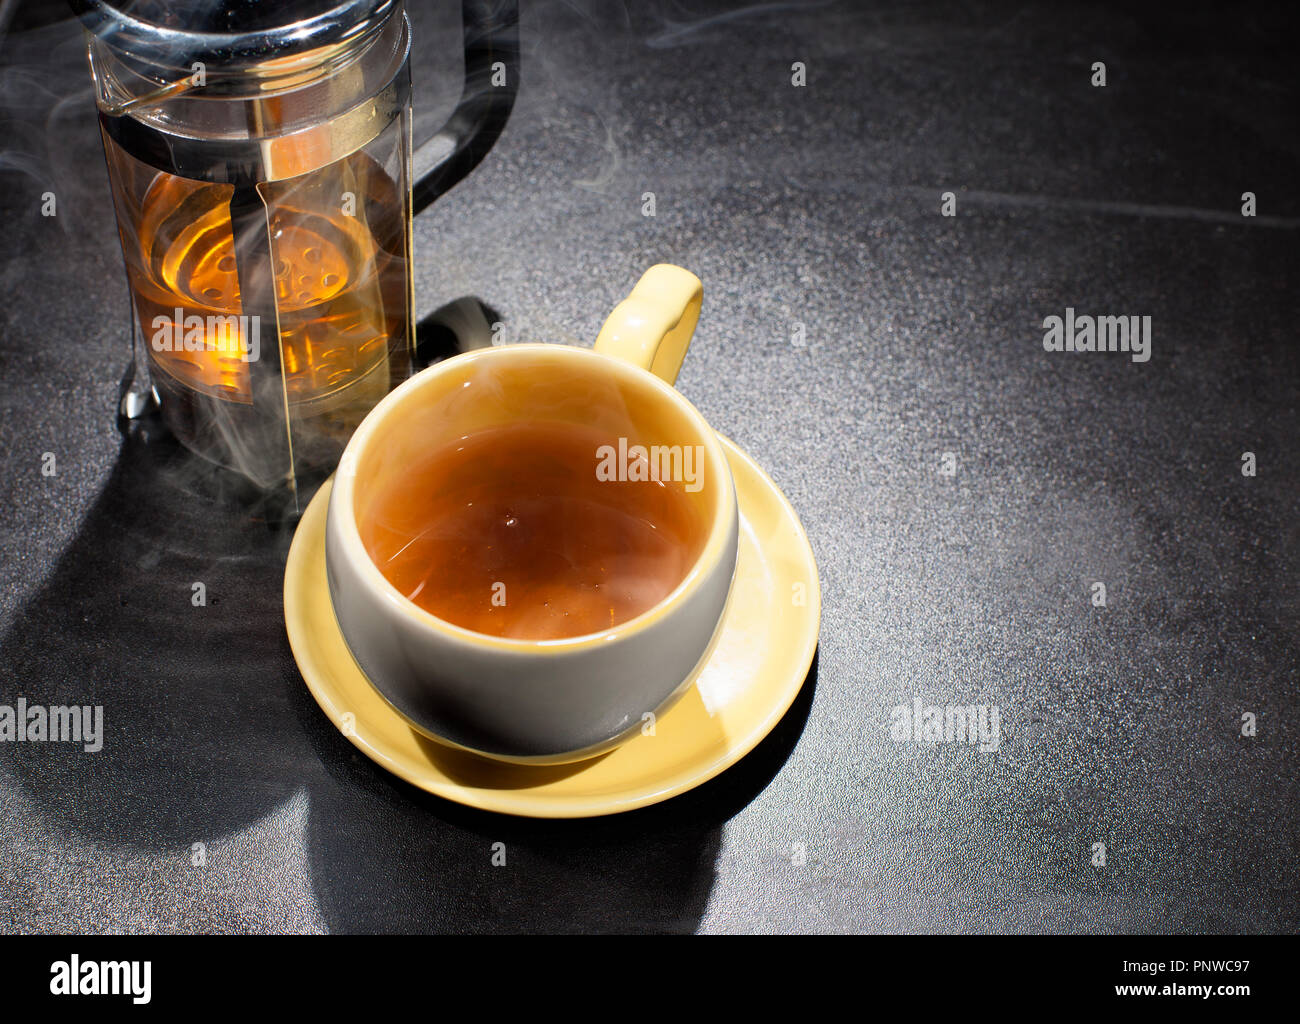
(509, 532)
(328, 286)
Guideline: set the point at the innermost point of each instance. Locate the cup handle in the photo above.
(652, 327)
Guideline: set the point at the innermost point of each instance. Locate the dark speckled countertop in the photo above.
(816, 205)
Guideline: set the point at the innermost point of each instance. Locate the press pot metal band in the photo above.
(244, 162)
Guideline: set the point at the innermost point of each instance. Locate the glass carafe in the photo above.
(260, 162)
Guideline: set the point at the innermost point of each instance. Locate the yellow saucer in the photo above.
(758, 664)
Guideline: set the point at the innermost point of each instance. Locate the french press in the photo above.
(260, 161)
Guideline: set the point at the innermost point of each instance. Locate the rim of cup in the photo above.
(370, 573)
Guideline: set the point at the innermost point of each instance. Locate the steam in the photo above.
(681, 33)
(50, 139)
(47, 119)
